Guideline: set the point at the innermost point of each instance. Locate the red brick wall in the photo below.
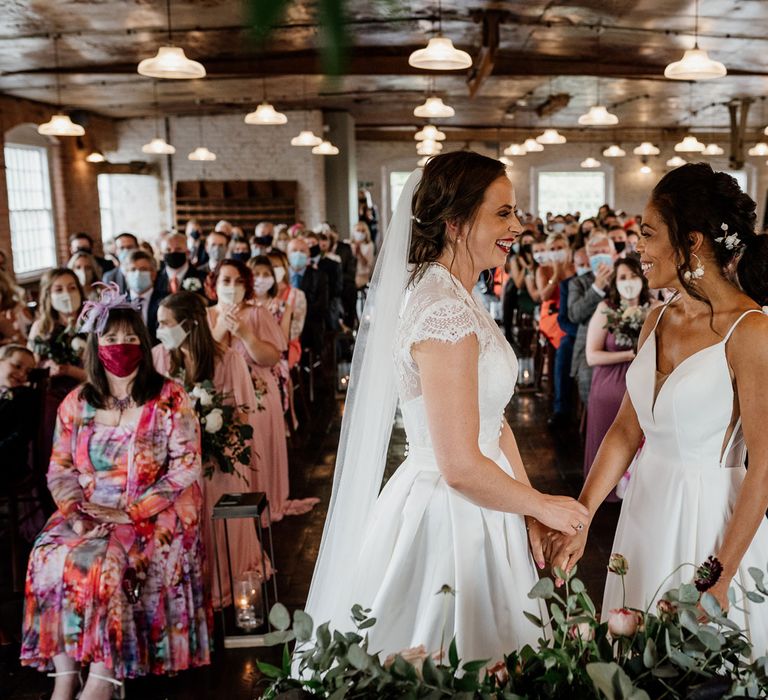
(75, 193)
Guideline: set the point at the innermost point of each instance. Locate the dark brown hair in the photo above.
(148, 382)
(633, 263)
(243, 270)
(451, 189)
(694, 197)
(264, 261)
(189, 308)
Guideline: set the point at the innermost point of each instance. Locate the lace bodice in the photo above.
(439, 308)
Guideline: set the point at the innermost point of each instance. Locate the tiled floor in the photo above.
(554, 465)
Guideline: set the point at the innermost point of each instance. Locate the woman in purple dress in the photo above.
(610, 352)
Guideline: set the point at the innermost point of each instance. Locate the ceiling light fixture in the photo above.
(515, 149)
(598, 115)
(759, 149)
(712, 149)
(60, 123)
(695, 63)
(614, 151)
(434, 108)
(532, 146)
(590, 163)
(551, 137)
(202, 153)
(265, 114)
(430, 131)
(690, 144)
(440, 53)
(170, 62)
(429, 147)
(645, 169)
(676, 162)
(306, 137)
(158, 146)
(646, 148)
(95, 156)
(326, 148)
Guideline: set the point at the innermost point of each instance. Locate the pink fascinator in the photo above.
(95, 314)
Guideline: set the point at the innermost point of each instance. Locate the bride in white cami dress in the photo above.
(685, 482)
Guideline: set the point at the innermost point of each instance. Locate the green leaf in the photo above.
(369, 622)
(665, 671)
(681, 659)
(302, 626)
(358, 657)
(757, 575)
(429, 673)
(323, 636)
(709, 640)
(340, 693)
(577, 586)
(286, 661)
(650, 655)
(544, 588)
(533, 618)
(711, 606)
(475, 666)
(557, 614)
(688, 621)
(755, 597)
(453, 654)
(688, 593)
(279, 617)
(269, 670)
(602, 675)
(272, 639)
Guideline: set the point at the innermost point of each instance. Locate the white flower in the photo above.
(214, 421)
(78, 345)
(203, 396)
(192, 284)
(622, 622)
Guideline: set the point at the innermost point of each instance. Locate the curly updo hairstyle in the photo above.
(694, 197)
(451, 189)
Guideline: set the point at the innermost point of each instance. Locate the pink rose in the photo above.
(665, 609)
(500, 671)
(414, 656)
(622, 622)
(583, 631)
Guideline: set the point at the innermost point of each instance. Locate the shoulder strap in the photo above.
(738, 320)
(663, 309)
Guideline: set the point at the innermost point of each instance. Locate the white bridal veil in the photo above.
(366, 425)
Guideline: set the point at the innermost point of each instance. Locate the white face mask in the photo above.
(541, 257)
(279, 274)
(171, 336)
(230, 295)
(83, 275)
(558, 256)
(358, 235)
(262, 285)
(629, 289)
(65, 302)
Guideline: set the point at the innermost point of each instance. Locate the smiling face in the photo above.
(657, 255)
(15, 368)
(495, 227)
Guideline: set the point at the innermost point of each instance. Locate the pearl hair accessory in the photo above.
(730, 242)
(416, 219)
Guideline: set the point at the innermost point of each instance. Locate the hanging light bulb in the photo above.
(430, 131)
(440, 54)
(598, 115)
(646, 148)
(515, 149)
(265, 114)
(95, 156)
(532, 146)
(170, 62)
(759, 149)
(590, 163)
(60, 125)
(712, 149)
(306, 138)
(695, 65)
(551, 137)
(326, 148)
(434, 108)
(690, 144)
(429, 147)
(645, 169)
(614, 151)
(202, 153)
(158, 146)
(676, 162)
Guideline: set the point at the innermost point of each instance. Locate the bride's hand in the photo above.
(537, 538)
(564, 550)
(561, 513)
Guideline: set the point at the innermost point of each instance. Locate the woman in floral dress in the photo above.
(115, 579)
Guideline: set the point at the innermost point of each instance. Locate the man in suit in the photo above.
(329, 264)
(141, 280)
(585, 292)
(314, 284)
(177, 273)
(216, 244)
(125, 244)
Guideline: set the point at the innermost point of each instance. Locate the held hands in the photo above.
(561, 513)
(565, 550)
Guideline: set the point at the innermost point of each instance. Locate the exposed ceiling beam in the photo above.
(483, 65)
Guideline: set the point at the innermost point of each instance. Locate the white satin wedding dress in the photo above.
(685, 482)
(422, 534)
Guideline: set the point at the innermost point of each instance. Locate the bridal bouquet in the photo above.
(625, 323)
(64, 347)
(225, 437)
(685, 648)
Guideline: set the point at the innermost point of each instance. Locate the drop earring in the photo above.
(696, 273)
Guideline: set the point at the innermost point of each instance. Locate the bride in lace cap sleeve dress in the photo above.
(698, 391)
(454, 513)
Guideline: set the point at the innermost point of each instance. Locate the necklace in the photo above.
(122, 405)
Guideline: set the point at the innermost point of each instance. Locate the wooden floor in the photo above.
(554, 465)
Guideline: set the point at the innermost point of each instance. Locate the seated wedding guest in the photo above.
(19, 413)
(585, 292)
(610, 349)
(619, 237)
(54, 340)
(252, 331)
(239, 249)
(292, 298)
(216, 243)
(195, 242)
(314, 284)
(83, 242)
(189, 354)
(14, 317)
(86, 268)
(177, 273)
(125, 244)
(115, 579)
(363, 249)
(281, 238)
(140, 279)
(262, 239)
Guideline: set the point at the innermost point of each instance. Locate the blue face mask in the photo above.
(138, 281)
(298, 260)
(600, 259)
(124, 254)
(582, 269)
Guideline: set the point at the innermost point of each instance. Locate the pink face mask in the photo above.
(121, 359)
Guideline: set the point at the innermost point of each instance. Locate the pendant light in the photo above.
(712, 149)
(306, 137)
(430, 132)
(515, 149)
(326, 148)
(265, 114)
(645, 169)
(614, 151)
(429, 148)
(690, 144)
(550, 137)
(170, 62)
(201, 152)
(532, 146)
(598, 115)
(759, 149)
(60, 123)
(590, 162)
(95, 156)
(695, 63)
(434, 108)
(440, 53)
(158, 145)
(646, 148)
(676, 162)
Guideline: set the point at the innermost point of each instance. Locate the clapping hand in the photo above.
(234, 324)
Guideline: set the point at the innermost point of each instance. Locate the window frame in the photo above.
(570, 166)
